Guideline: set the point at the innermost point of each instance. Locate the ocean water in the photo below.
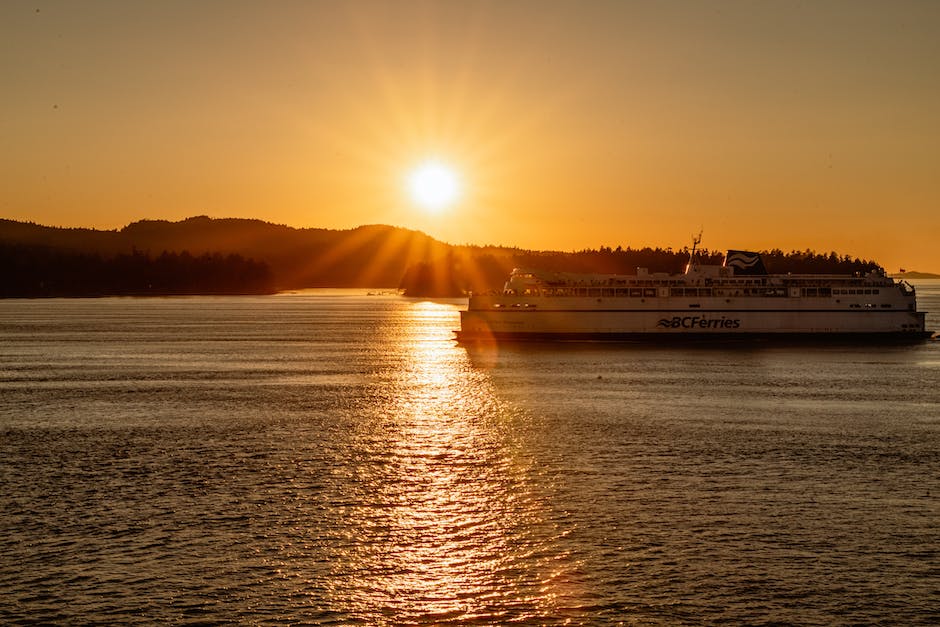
(336, 458)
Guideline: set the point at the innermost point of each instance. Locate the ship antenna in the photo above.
(696, 240)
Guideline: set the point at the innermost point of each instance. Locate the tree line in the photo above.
(366, 256)
(41, 271)
(238, 256)
(456, 274)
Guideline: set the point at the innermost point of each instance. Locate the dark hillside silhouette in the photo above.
(205, 255)
(483, 272)
(39, 271)
(367, 256)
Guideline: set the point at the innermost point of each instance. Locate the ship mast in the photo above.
(696, 240)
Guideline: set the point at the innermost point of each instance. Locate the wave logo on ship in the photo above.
(698, 322)
(745, 262)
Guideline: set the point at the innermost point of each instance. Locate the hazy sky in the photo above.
(571, 124)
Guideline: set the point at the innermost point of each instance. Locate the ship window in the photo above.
(649, 291)
(886, 305)
(868, 291)
(636, 292)
(876, 291)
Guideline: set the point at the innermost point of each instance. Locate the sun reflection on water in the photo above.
(455, 521)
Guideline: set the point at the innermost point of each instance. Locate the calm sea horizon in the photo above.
(335, 457)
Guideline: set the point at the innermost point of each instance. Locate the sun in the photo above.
(433, 186)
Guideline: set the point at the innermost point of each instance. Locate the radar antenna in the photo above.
(696, 240)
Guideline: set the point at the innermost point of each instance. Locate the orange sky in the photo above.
(571, 124)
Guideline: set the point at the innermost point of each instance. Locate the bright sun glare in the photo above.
(433, 185)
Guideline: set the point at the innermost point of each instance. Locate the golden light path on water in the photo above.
(456, 520)
(337, 459)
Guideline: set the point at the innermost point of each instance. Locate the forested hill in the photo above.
(205, 255)
(367, 256)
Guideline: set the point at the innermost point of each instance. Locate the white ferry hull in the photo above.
(533, 324)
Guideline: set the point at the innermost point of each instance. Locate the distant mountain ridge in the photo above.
(235, 255)
(367, 256)
(913, 274)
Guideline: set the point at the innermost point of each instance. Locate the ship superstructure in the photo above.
(737, 298)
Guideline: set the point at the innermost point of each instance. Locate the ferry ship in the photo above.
(737, 299)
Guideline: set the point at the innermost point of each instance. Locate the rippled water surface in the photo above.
(337, 458)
